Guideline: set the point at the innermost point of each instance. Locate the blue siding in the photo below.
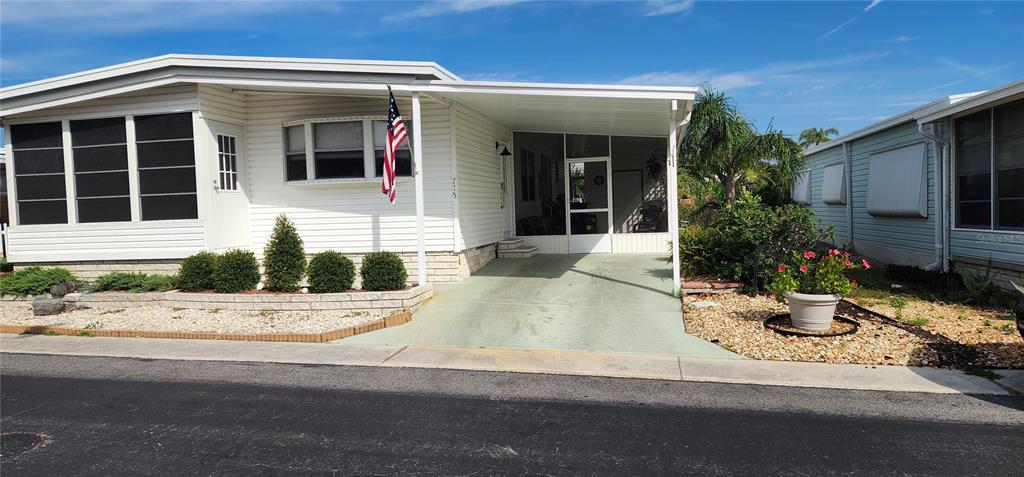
(834, 215)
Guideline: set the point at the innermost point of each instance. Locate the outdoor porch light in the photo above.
(504, 150)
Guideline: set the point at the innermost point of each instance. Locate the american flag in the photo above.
(396, 134)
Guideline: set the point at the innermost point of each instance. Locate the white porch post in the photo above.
(417, 147)
(673, 195)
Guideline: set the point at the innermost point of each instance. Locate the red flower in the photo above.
(865, 264)
(833, 253)
(782, 268)
(803, 268)
(848, 263)
(854, 283)
(809, 255)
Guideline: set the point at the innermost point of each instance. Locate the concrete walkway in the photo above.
(597, 302)
(622, 365)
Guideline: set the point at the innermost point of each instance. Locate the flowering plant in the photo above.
(825, 275)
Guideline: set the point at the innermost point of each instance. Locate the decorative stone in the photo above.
(705, 304)
(43, 305)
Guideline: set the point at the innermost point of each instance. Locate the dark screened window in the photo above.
(39, 173)
(100, 150)
(338, 150)
(403, 159)
(990, 168)
(167, 166)
(295, 152)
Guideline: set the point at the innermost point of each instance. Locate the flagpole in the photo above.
(417, 146)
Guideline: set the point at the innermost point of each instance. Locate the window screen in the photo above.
(338, 150)
(580, 145)
(39, 173)
(295, 152)
(403, 160)
(974, 171)
(100, 152)
(167, 171)
(1009, 166)
(228, 162)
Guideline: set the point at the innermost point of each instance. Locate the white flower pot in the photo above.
(812, 312)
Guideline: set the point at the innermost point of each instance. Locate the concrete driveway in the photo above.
(599, 302)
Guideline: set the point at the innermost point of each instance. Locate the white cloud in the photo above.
(668, 7)
(873, 4)
(438, 8)
(810, 74)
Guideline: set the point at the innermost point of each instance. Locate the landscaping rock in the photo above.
(43, 306)
(705, 304)
(63, 288)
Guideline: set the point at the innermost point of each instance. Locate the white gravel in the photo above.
(159, 318)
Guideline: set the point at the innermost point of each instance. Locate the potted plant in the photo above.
(1020, 310)
(813, 286)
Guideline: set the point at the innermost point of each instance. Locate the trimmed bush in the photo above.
(383, 271)
(6, 266)
(236, 270)
(196, 272)
(331, 272)
(284, 260)
(34, 280)
(135, 282)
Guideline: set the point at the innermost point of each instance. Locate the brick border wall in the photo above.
(389, 321)
(374, 303)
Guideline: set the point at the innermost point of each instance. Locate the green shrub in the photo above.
(196, 272)
(331, 272)
(284, 260)
(34, 280)
(136, 282)
(6, 266)
(236, 270)
(383, 271)
(747, 240)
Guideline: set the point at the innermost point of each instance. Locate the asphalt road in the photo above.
(107, 416)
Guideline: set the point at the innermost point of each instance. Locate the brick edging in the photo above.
(392, 320)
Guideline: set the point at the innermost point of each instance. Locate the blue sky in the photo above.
(792, 65)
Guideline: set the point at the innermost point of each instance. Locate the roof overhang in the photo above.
(554, 107)
(915, 114)
(987, 99)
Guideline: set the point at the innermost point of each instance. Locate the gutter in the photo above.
(941, 157)
(848, 159)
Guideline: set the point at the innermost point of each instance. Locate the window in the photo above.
(38, 151)
(898, 182)
(295, 152)
(403, 159)
(167, 166)
(990, 168)
(228, 162)
(338, 150)
(100, 151)
(802, 188)
(833, 187)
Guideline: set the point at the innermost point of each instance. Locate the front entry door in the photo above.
(588, 187)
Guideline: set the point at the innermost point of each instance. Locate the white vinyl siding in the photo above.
(219, 103)
(347, 217)
(479, 171)
(106, 241)
(176, 98)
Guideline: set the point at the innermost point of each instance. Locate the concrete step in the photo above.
(521, 252)
(510, 244)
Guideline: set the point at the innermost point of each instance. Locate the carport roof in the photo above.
(556, 107)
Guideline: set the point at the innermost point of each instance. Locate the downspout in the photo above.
(939, 146)
(848, 158)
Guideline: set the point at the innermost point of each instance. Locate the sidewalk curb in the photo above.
(576, 363)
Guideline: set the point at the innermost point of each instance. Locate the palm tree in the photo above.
(722, 144)
(814, 136)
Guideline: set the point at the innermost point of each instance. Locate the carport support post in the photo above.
(673, 195)
(417, 147)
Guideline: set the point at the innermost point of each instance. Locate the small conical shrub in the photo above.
(284, 260)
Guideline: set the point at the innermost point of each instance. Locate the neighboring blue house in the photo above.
(877, 185)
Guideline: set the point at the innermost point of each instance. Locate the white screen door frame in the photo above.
(595, 242)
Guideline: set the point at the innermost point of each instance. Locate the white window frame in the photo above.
(227, 164)
(407, 144)
(954, 175)
(369, 166)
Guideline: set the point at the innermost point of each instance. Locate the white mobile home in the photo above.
(138, 165)
(938, 185)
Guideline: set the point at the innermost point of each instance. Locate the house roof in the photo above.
(317, 76)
